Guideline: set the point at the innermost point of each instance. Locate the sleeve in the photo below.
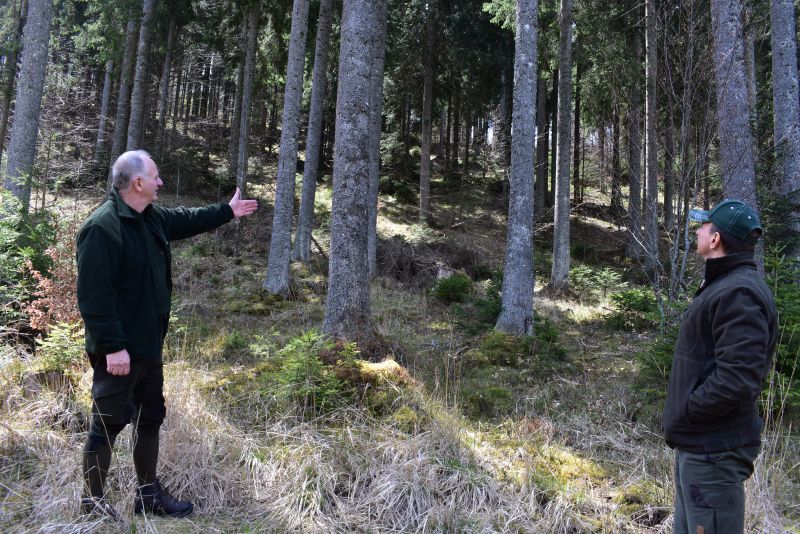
(180, 223)
(98, 260)
(740, 328)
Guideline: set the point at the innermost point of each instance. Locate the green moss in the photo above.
(489, 401)
(406, 419)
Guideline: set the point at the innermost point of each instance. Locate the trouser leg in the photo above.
(680, 524)
(96, 461)
(712, 490)
(145, 455)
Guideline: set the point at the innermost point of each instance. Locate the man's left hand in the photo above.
(242, 208)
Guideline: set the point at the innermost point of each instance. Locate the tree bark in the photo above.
(427, 101)
(786, 106)
(10, 73)
(277, 280)
(305, 220)
(733, 111)
(634, 222)
(100, 143)
(347, 310)
(576, 150)
(540, 191)
(376, 120)
(163, 92)
(669, 176)
(25, 128)
(136, 125)
(553, 139)
(516, 315)
(233, 143)
(616, 168)
(651, 263)
(559, 276)
(253, 18)
(124, 95)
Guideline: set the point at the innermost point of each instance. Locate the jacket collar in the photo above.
(123, 210)
(716, 267)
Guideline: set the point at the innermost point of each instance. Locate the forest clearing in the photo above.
(457, 305)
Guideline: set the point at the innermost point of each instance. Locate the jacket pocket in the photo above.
(684, 379)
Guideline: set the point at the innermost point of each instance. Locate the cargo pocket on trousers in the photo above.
(716, 497)
(111, 400)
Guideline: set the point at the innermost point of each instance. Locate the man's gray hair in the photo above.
(129, 165)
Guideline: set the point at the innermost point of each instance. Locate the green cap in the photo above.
(731, 216)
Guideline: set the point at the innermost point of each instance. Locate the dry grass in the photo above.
(579, 454)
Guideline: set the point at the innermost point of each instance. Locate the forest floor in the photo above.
(440, 426)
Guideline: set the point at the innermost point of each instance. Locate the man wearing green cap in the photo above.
(722, 355)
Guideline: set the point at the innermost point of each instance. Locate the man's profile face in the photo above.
(705, 236)
(150, 182)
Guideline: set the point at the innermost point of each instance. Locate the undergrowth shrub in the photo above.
(782, 276)
(54, 297)
(593, 285)
(634, 309)
(61, 350)
(22, 242)
(479, 313)
(454, 288)
(308, 384)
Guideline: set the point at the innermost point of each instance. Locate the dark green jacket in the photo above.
(116, 294)
(722, 355)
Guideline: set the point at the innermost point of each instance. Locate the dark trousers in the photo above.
(709, 490)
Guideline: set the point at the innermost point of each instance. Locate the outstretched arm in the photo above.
(242, 208)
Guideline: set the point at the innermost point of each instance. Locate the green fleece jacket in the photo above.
(124, 287)
(726, 340)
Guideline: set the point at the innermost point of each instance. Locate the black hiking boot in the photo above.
(98, 507)
(155, 499)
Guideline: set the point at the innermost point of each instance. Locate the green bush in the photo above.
(305, 382)
(454, 288)
(634, 309)
(61, 349)
(398, 188)
(21, 241)
(593, 284)
(782, 276)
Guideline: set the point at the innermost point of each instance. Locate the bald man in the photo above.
(124, 296)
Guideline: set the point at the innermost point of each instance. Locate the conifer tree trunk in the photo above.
(634, 222)
(253, 18)
(375, 121)
(616, 167)
(347, 310)
(233, 143)
(139, 94)
(277, 279)
(733, 111)
(786, 105)
(305, 219)
(651, 264)
(100, 143)
(9, 74)
(427, 100)
(516, 315)
(601, 145)
(553, 138)
(25, 128)
(540, 191)
(124, 95)
(669, 176)
(163, 92)
(559, 276)
(576, 146)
